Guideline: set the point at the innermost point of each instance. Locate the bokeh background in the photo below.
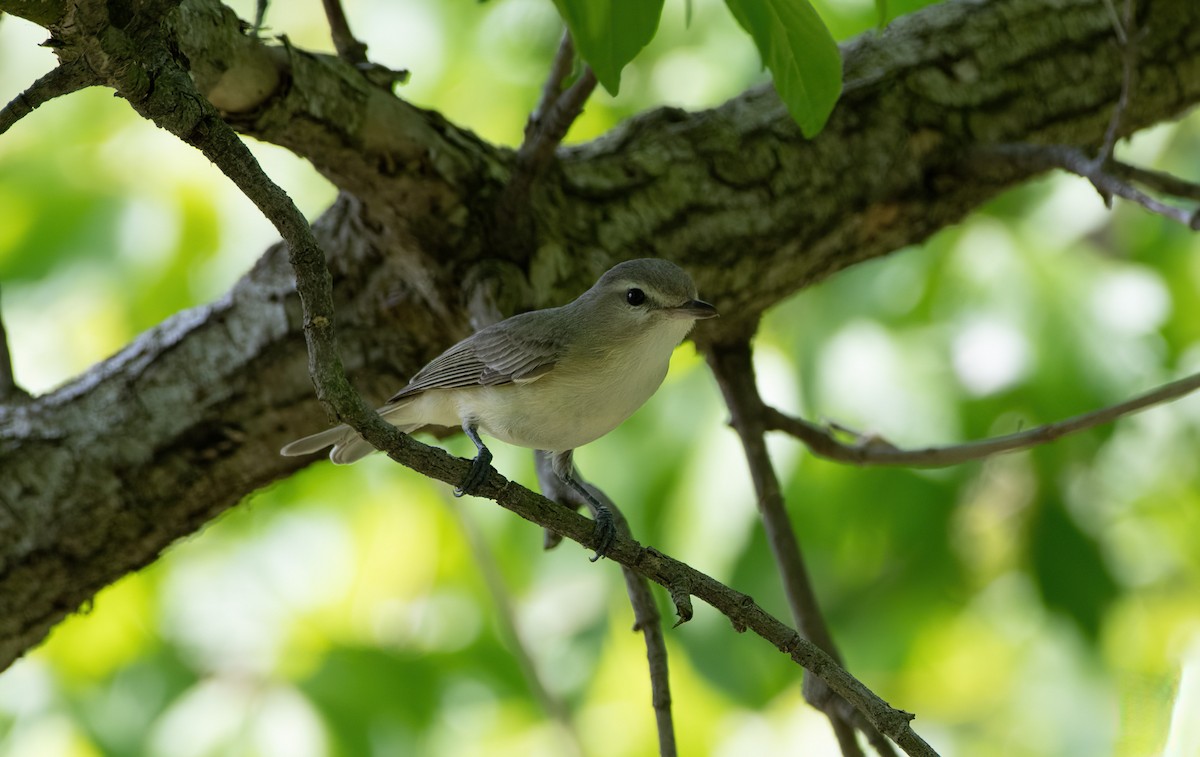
(1042, 603)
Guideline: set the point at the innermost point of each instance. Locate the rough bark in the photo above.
(99, 476)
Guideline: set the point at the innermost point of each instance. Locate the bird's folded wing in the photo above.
(489, 358)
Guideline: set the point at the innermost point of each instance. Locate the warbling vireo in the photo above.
(552, 379)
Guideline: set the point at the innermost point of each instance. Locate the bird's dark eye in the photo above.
(635, 296)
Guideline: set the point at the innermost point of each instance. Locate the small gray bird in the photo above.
(552, 379)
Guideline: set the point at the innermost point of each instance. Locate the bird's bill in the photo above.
(694, 309)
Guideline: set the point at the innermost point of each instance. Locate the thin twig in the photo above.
(556, 110)
(507, 617)
(734, 370)
(1157, 181)
(1127, 39)
(871, 450)
(1074, 160)
(63, 80)
(1116, 20)
(544, 131)
(348, 47)
(646, 617)
(10, 391)
(560, 69)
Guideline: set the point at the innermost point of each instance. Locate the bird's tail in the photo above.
(348, 446)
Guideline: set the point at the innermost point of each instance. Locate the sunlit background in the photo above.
(1043, 603)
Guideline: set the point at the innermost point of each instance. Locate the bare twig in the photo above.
(560, 69)
(556, 110)
(544, 131)
(10, 391)
(1127, 39)
(63, 80)
(645, 611)
(1109, 176)
(551, 704)
(347, 45)
(1157, 181)
(1074, 160)
(1116, 20)
(733, 367)
(870, 450)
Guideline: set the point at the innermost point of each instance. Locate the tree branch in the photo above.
(348, 47)
(10, 391)
(1127, 35)
(1155, 180)
(556, 111)
(62, 80)
(677, 577)
(1076, 161)
(734, 369)
(544, 131)
(869, 450)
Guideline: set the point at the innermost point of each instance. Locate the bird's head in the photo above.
(646, 293)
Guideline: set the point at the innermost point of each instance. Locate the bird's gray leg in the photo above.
(606, 529)
(480, 466)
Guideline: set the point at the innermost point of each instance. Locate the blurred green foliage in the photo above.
(1042, 603)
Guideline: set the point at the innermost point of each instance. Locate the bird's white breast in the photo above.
(582, 399)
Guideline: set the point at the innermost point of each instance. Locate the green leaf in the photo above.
(881, 9)
(609, 34)
(801, 53)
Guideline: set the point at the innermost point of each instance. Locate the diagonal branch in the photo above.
(734, 369)
(62, 80)
(145, 72)
(869, 450)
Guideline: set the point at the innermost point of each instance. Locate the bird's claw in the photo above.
(605, 533)
(481, 466)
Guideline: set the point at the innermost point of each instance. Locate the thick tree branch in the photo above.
(734, 191)
(869, 450)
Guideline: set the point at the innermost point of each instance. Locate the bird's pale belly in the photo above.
(557, 413)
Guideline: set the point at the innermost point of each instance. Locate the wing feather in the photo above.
(517, 350)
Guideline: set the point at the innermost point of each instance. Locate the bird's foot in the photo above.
(605, 531)
(481, 466)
